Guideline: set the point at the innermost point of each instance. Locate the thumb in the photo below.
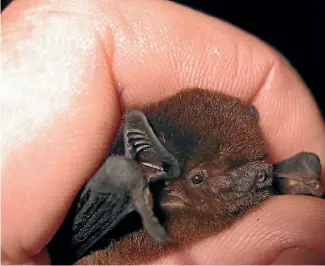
(287, 230)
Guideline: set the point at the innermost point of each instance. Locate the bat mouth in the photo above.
(172, 198)
(173, 202)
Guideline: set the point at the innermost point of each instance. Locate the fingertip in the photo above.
(298, 256)
(262, 234)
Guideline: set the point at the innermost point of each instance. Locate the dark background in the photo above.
(291, 26)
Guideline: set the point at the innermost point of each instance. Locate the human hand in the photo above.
(70, 67)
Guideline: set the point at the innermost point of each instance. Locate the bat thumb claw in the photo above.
(167, 240)
(170, 241)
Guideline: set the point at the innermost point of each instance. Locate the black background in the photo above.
(293, 27)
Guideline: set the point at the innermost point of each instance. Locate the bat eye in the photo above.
(261, 176)
(197, 177)
(197, 180)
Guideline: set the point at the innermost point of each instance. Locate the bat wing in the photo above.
(123, 189)
(92, 218)
(96, 215)
(299, 175)
(116, 189)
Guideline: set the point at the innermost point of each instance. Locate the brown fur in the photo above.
(138, 248)
(227, 133)
(216, 117)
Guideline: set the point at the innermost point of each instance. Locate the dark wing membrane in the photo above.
(299, 175)
(142, 143)
(137, 140)
(144, 154)
(96, 215)
(93, 218)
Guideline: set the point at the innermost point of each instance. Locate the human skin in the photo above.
(69, 68)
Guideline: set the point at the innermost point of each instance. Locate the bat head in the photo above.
(221, 187)
(217, 142)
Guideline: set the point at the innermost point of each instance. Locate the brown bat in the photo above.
(206, 163)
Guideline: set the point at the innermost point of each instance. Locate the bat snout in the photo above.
(173, 196)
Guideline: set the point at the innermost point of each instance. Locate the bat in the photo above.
(206, 163)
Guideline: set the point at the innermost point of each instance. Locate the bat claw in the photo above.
(165, 239)
(170, 241)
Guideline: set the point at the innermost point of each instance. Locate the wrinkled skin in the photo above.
(70, 67)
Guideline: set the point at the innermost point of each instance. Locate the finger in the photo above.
(285, 223)
(60, 112)
(75, 53)
(171, 52)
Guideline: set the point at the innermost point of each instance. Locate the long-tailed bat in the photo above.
(207, 150)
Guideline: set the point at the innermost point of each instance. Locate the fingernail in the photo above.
(298, 256)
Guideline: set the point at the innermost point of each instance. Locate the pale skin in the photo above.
(70, 67)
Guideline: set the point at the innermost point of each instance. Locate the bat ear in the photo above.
(142, 145)
(252, 110)
(299, 175)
